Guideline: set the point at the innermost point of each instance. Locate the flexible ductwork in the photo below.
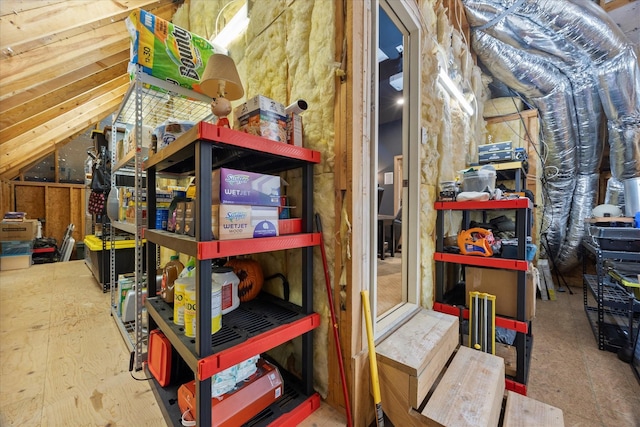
(575, 39)
(549, 90)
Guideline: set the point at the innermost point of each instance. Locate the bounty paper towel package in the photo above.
(230, 186)
(167, 51)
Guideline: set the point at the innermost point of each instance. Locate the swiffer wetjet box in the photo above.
(229, 222)
(236, 187)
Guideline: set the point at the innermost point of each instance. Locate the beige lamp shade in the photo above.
(221, 72)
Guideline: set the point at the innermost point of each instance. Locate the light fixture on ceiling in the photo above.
(234, 27)
(396, 81)
(452, 88)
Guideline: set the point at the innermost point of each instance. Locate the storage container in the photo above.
(626, 239)
(15, 262)
(16, 247)
(479, 180)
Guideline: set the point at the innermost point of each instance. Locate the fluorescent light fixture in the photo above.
(454, 91)
(382, 56)
(396, 81)
(234, 27)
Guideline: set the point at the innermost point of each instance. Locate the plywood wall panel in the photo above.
(30, 199)
(58, 201)
(6, 197)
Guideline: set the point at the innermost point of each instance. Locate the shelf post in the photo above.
(307, 277)
(152, 248)
(203, 161)
(440, 249)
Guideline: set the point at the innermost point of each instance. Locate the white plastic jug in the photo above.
(227, 281)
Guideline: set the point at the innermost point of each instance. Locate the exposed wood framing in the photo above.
(355, 122)
(335, 396)
(62, 70)
(7, 204)
(58, 204)
(458, 19)
(531, 138)
(610, 5)
(20, 151)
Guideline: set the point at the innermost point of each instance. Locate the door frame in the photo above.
(406, 17)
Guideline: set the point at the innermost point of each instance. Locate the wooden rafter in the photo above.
(63, 68)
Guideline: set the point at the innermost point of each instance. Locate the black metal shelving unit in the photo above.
(147, 103)
(524, 339)
(254, 327)
(611, 309)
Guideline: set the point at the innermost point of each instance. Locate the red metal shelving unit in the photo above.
(258, 325)
(522, 326)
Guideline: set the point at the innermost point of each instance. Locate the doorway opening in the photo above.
(395, 158)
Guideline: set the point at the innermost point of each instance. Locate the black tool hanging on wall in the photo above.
(100, 182)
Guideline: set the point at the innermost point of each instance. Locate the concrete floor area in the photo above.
(63, 361)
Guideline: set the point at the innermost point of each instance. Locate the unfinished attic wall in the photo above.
(287, 53)
(452, 135)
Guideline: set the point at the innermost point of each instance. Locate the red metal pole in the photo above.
(336, 336)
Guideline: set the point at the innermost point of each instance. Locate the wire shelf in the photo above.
(161, 101)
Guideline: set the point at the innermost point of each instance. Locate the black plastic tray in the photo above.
(616, 238)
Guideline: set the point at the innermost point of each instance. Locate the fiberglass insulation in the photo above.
(287, 53)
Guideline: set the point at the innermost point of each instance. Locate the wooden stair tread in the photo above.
(413, 345)
(522, 411)
(470, 392)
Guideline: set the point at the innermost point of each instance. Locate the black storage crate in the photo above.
(625, 239)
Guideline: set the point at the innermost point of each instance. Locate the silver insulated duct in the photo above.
(541, 48)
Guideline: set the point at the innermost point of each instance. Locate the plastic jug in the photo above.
(170, 273)
(228, 282)
(180, 287)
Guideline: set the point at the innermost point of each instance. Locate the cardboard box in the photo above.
(167, 51)
(15, 262)
(262, 116)
(179, 223)
(230, 186)
(504, 285)
(230, 222)
(190, 218)
(294, 129)
(23, 230)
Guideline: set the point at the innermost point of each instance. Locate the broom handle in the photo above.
(336, 336)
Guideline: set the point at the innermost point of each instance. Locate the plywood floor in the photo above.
(64, 363)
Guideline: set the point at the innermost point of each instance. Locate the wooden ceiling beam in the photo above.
(41, 109)
(61, 83)
(52, 113)
(30, 29)
(22, 72)
(12, 158)
(12, 7)
(31, 68)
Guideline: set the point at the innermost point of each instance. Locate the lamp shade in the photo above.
(221, 71)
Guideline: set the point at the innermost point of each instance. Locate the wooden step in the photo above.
(522, 411)
(470, 392)
(413, 356)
